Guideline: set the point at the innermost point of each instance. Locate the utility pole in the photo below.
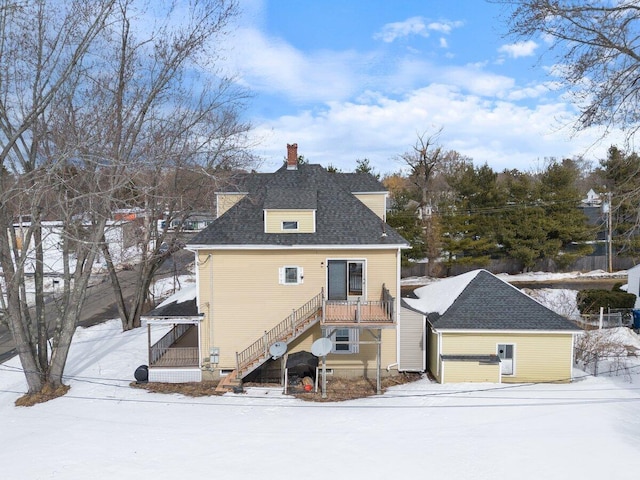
(607, 209)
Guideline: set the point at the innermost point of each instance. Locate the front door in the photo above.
(505, 352)
(345, 279)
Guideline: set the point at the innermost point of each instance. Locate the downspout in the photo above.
(439, 352)
(209, 314)
(208, 305)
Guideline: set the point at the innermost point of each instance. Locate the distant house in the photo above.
(294, 256)
(478, 328)
(592, 199)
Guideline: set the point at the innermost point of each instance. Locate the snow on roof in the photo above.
(439, 296)
(185, 294)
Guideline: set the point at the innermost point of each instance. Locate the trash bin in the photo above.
(142, 374)
(636, 319)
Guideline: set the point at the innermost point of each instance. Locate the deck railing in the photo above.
(336, 312)
(178, 357)
(287, 327)
(356, 311)
(158, 349)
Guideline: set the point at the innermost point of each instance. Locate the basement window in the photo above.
(345, 340)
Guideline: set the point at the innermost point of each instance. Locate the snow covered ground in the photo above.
(104, 429)
(533, 277)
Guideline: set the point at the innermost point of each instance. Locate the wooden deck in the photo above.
(357, 314)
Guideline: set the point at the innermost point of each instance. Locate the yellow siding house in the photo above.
(481, 329)
(296, 255)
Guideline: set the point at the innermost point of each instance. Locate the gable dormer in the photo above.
(290, 210)
(226, 200)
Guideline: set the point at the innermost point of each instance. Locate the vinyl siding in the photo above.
(432, 352)
(463, 371)
(412, 341)
(224, 201)
(377, 202)
(246, 298)
(305, 218)
(538, 357)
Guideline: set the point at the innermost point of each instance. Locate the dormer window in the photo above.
(290, 225)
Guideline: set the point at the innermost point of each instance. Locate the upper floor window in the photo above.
(290, 275)
(290, 225)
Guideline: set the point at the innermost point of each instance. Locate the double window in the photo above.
(345, 340)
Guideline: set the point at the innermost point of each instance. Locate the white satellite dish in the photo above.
(321, 347)
(278, 349)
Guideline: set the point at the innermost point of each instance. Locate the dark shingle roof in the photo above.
(175, 309)
(489, 303)
(359, 182)
(291, 198)
(341, 219)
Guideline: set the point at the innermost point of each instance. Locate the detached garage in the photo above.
(479, 328)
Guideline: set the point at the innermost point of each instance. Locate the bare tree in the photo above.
(598, 50)
(42, 46)
(166, 119)
(103, 104)
(424, 161)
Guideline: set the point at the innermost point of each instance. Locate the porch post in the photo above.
(149, 342)
(266, 347)
(379, 363)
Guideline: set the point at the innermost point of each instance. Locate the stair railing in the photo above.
(287, 328)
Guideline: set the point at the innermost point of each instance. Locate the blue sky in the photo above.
(356, 79)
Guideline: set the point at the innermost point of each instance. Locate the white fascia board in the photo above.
(507, 332)
(172, 320)
(297, 247)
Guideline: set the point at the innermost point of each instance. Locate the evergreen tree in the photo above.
(468, 224)
(621, 173)
(541, 219)
(403, 217)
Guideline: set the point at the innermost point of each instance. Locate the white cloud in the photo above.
(274, 66)
(443, 27)
(519, 49)
(500, 133)
(372, 104)
(413, 26)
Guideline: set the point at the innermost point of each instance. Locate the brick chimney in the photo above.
(292, 156)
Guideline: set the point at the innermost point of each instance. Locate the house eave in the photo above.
(299, 247)
(507, 331)
(172, 320)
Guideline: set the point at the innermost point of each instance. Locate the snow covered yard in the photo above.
(104, 429)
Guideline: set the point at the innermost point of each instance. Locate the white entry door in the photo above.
(505, 352)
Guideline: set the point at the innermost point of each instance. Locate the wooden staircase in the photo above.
(286, 331)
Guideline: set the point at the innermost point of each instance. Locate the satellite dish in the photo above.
(321, 347)
(277, 349)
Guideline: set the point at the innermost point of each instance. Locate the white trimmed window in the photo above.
(290, 225)
(290, 275)
(345, 340)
